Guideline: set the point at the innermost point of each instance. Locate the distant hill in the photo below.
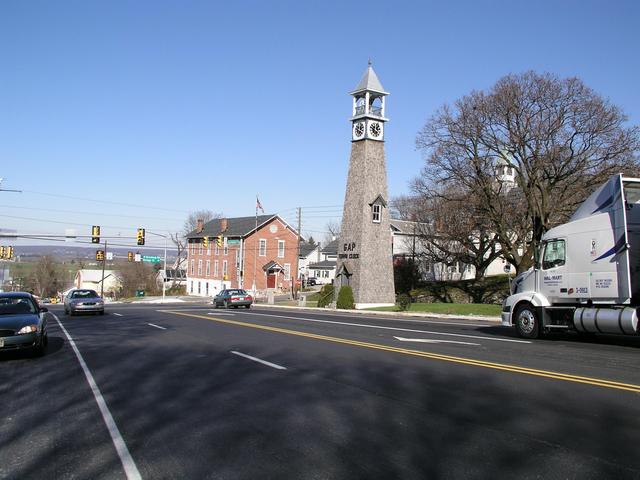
(70, 252)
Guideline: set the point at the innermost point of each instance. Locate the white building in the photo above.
(308, 254)
(324, 271)
(92, 280)
(406, 244)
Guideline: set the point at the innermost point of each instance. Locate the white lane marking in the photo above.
(130, 469)
(219, 313)
(117, 314)
(430, 340)
(157, 326)
(264, 362)
(396, 328)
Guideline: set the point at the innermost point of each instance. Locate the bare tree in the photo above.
(333, 231)
(179, 239)
(557, 138)
(46, 279)
(191, 222)
(136, 276)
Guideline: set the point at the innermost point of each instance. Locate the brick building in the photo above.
(236, 250)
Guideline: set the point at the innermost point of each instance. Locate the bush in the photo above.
(404, 302)
(326, 296)
(345, 298)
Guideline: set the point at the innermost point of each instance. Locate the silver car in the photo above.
(83, 300)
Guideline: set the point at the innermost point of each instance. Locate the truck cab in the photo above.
(586, 274)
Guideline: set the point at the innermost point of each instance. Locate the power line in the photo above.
(88, 213)
(78, 224)
(105, 201)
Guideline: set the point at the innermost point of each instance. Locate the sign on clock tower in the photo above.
(365, 257)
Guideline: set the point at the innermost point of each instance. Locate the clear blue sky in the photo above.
(186, 105)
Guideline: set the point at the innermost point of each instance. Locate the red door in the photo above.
(271, 280)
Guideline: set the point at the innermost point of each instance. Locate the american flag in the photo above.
(259, 205)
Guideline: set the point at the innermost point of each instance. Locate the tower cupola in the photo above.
(368, 113)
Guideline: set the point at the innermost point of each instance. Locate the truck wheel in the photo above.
(527, 322)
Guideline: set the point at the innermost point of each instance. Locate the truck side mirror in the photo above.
(536, 257)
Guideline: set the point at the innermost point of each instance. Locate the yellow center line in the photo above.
(434, 356)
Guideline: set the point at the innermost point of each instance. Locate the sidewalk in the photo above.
(168, 299)
(495, 319)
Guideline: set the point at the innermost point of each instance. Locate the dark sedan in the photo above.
(232, 297)
(23, 323)
(83, 300)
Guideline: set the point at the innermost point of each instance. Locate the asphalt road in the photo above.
(192, 392)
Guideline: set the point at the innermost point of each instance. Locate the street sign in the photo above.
(138, 257)
(109, 255)
(233, 242)
(149, 258)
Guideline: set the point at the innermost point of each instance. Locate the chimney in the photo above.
(223, 225)
(199, 225)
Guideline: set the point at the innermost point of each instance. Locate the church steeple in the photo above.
(368, 113)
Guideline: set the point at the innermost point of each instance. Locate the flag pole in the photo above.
(255, 251)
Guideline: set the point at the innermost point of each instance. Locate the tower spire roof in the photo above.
(370, 81)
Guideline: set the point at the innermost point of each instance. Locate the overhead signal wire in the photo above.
(105, 201)
(88, 213)
(79, 224)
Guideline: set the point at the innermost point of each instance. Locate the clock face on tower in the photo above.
(375, 130)
(358, 130)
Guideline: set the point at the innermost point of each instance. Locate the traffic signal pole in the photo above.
(103, 262)
(164, 276)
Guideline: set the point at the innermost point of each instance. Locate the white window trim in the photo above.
(207, 268)
(225, 270)
(281, 242)
(262, 241)
(193, 266)
(199, 248)
(199, 268)
(376, 212)
(287, 271)
(215, 268)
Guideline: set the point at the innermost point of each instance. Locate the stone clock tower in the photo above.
(365, 258)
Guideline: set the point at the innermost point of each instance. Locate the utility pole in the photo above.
(297, 275)
(103, 262)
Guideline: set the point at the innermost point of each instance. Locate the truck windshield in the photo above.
(554, 254)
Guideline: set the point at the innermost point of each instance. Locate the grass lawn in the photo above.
(449, 308)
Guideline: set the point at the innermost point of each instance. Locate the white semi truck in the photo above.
(586, 275)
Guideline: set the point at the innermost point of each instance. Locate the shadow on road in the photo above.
(188, 409)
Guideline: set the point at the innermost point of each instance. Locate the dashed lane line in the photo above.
(264, 362)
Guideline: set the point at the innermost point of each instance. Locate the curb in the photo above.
(391, 314)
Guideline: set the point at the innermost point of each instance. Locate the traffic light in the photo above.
(130, 256)
(95, 234)
(219, 240)
(100, 255)
(2, 252)
(9, 253)
(140, 236)
(205, 242)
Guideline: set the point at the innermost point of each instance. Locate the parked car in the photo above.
(311, 281)
(83, 300)
(232, 297)
(23, 323)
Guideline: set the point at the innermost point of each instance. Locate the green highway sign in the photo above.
(148, 258)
